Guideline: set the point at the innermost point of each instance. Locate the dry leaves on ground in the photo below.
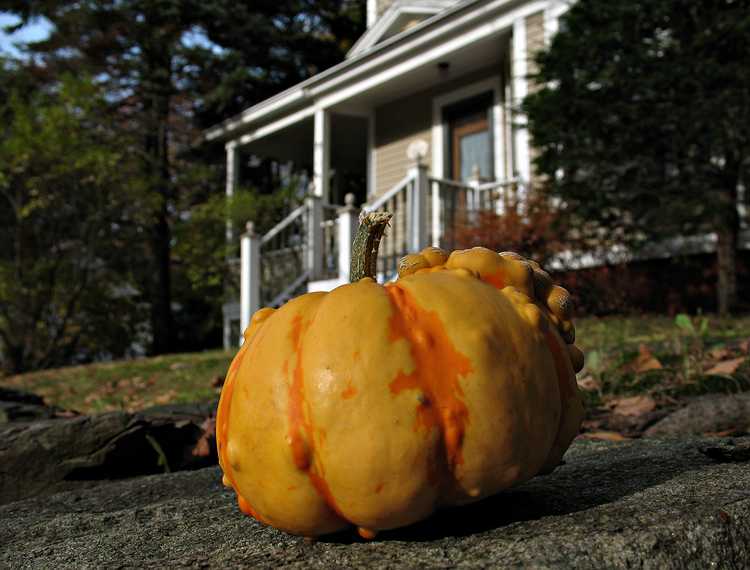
(726, 367)
(633, 405)
(204, 446)
(644, 362)
(589, 384)
(604, 436)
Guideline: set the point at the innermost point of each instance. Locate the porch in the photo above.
(422, 125)
(310, 250)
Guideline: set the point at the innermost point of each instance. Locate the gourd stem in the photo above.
(366, 243)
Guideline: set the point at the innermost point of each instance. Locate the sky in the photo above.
(37, 29)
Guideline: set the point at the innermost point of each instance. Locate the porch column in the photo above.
(249, 277)
(233, 180)
(418, 223)
(322, 154)
(437, 230)
(348, 222)
(314, 236)
(519, 72)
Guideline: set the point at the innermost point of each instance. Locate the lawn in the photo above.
(661, 357)
(665, 357)
(129, 384)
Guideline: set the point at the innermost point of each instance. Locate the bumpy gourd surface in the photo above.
(374, 405)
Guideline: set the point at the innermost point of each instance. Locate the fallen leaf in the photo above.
(589, 384)
(177, 365)
(726, 367)
(166, 397)
(217, 381)
(203, 447)
(604, 436)
(592, 425)
(645, 361)
(718, 353)
(633, 406)
(744, 346)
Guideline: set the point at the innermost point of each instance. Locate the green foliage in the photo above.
(69, 202)
(200, 245)
(169, 69)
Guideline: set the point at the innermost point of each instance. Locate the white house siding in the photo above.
(400, 122)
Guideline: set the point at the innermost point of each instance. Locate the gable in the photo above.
(388, 18)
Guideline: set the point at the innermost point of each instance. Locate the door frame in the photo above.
(440, 149)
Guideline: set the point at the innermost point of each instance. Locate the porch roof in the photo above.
(400, 61)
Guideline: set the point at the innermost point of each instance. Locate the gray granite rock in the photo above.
(704, 414)
(47, 456)
(657, 504)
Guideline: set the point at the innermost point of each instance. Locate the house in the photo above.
(418, 119)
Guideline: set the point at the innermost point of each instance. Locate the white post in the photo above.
(348, 222)
(249, 277)
(322, 154)
(233, 179)
(418, 222)
(314, 236)
(520, 90)
(437, 230)
(473, 203)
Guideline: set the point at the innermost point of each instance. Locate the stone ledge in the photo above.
(646, 503)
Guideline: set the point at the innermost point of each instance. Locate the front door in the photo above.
(470, 138)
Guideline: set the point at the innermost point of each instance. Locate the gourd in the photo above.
(373, 405)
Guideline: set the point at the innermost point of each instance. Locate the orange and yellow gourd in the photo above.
(374, 405)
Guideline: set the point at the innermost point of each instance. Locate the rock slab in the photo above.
(47, 456)
(641, 504)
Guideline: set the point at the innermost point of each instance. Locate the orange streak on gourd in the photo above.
(222, 427)
(302, 447)
(496, 279)
(349, 391)
(437, 369)
(563, 372)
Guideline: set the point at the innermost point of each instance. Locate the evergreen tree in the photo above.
(69, 215)
(642, 122)
(172, 67)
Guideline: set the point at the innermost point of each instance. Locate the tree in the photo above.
(172, 67)
(641, 121)
(67, 217)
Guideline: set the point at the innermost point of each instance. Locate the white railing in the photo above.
(282, 256)
(395, 242)
(313, 243)
(459, 204)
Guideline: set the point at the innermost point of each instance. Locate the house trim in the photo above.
(552, 16)
(371, 155)
(383, 24)
(439, 126)
(519, 71)
(481, 14)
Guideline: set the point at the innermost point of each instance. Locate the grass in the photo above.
(128, 385)
(612, 346)
(684, 350)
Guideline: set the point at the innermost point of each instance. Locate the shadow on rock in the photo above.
(587, 480)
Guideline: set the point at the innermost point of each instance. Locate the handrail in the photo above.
(296, 284)
(388, 195)
(447, 182)
(484, 186)
(498, 183)
(296, 213)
